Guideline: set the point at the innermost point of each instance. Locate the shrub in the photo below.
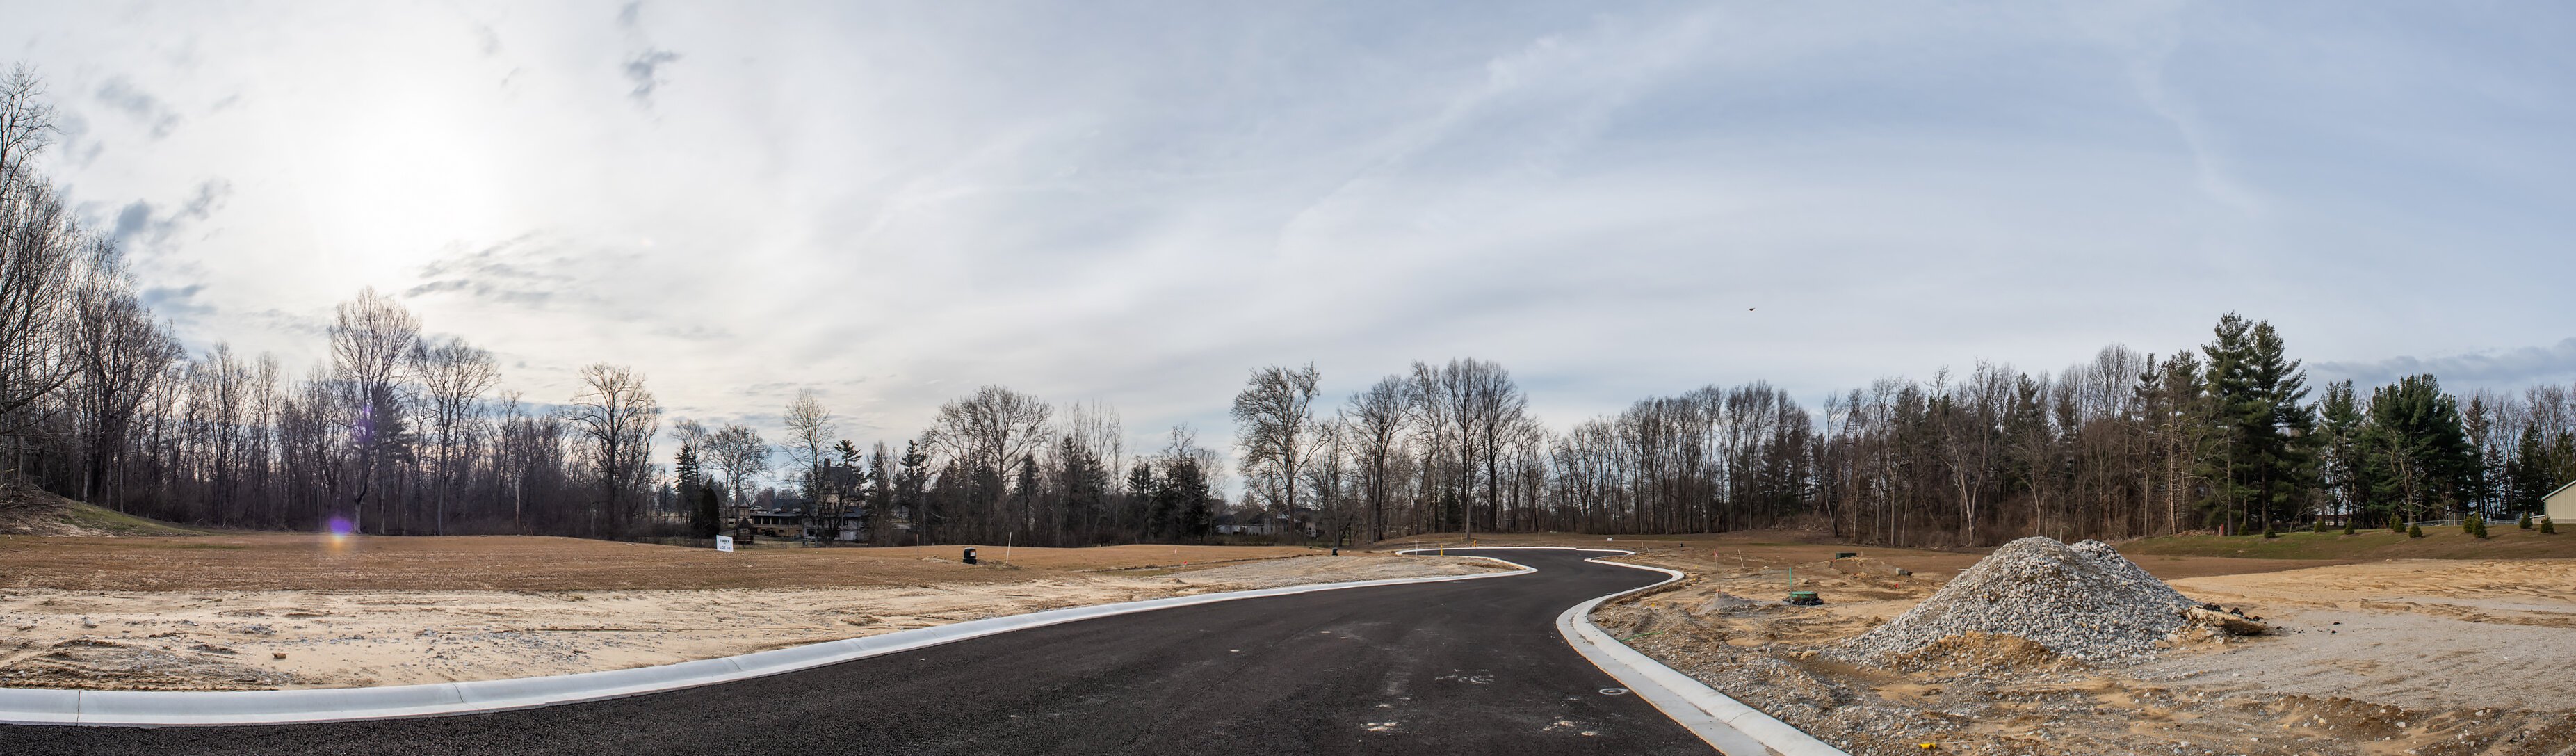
(2348, 527)
(2525, 521)
(2318, 526)
(2269, 532)
(2481, 531)
(2548, 525)
(2414, 531)
(2469, 526)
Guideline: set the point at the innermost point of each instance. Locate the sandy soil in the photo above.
(2430, 657)
(283, 561)
(340, 637)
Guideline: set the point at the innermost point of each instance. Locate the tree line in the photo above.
(396, 432)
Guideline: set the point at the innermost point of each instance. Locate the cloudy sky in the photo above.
(892, 203)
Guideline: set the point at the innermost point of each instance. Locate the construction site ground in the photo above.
(2366, 655)
(265, 611)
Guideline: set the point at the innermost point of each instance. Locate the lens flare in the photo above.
(339, 527)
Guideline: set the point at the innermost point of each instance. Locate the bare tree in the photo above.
(26, 120)
(370, 339)
(1376, 422)
(743, 456)
(42, 255)
(809, 443)
(456, 376)
(617, 418)
(983, 436)
(992, 429)
(1275, 424)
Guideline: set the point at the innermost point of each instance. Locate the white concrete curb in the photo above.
(1727, 725)
(33, 706)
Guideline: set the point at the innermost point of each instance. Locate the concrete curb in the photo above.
(1726, 724)
(127, 708)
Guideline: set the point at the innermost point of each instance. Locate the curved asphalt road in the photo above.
(1472, 666)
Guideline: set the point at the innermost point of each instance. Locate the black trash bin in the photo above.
(970, 556)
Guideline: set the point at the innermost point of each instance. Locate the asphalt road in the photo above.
(1473, 666)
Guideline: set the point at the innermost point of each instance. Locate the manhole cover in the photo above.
(1614, 691)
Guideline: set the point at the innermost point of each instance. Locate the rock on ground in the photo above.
(2084, 601)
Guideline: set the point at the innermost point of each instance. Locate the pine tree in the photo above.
(698, 498)
(2317, 526)
(1186, 498)
(2263, 463)
(2527, 477)
(911, 484)
(2481, 530)
(2523, 523)
(2548, 525)
(2340, 421)
(2414, 531)
(2419, 455)
(1147, 488)
(2349, 528)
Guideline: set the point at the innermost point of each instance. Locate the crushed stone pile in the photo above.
(2085, 601)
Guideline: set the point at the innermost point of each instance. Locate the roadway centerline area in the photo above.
(1473, 666)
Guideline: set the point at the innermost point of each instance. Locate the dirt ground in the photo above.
(270, 611)
(2407, 657)
(284, 561)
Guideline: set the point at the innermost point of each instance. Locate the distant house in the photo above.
(2560, 505)
(1269, 523)
(790, 523)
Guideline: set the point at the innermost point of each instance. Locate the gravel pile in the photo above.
(2084, 601)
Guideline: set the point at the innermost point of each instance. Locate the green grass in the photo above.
(94, 516)
(2437, 543)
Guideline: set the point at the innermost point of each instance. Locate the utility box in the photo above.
(970, 556)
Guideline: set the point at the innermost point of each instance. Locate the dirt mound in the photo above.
(1978, 652)
(2086, 602)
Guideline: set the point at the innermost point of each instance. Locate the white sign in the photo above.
(724, 543)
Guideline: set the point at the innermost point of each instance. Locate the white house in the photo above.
(2560, 505)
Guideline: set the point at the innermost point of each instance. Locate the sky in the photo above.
(1137, 203)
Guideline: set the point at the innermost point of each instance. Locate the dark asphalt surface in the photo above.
(1473, 666)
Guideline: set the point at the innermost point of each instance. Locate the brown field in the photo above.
(2418, 657)
(1775, 550)
(286, 611)
(274, 561)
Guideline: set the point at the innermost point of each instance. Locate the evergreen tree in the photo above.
(2262, 463)
(880, 497)
(911, 491)
(1026, 490)
(2419, 457)
(1186, 497)
(2526, 473)
(1154, 521)
(2340, 422)
(706, 519)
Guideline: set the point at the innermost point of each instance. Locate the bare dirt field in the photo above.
(285, 611)
(2382, 657)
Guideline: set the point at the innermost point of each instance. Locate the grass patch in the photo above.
(2439, 543)
(94, 516)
